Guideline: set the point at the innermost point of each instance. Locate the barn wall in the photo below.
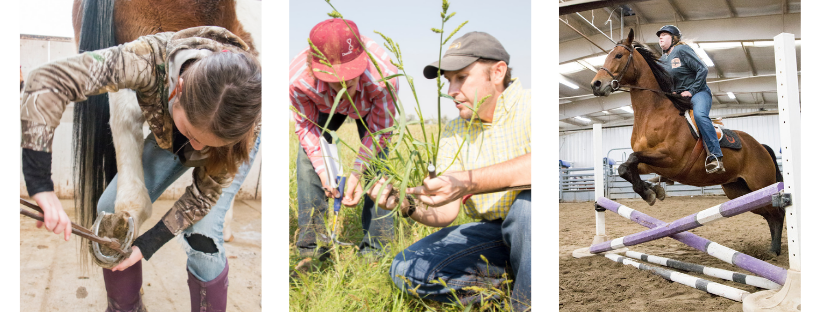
(576, 146)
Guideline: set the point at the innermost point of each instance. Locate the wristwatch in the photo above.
(410, 210)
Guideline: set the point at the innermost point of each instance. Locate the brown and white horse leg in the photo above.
(227, 233)
(126, 128)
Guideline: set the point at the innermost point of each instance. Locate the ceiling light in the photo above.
(703, 56)
(731, 95)
(762, 43)
(587, 120)
(605, 112)
(627, 109)
(597, 60)
(719, 45)
(571, 67)
(565, 82)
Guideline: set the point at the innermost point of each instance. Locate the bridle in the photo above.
(615, 84)
(616, 80)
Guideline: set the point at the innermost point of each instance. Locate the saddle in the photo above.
(726, 137)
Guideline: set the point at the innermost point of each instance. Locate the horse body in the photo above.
(662, 143)
(136, 18)
(116, 22)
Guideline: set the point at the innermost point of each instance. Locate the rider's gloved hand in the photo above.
(57, 220)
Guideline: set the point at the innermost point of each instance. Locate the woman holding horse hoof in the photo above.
(200, 91)
(689, 75)
(313, 88)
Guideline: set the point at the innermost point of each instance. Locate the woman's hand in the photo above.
(57, 220)
(686, 94)
(353, 192)
(329, 192)
(136, 255)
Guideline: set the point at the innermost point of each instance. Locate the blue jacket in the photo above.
(687, 70)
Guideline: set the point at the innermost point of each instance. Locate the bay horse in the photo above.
(663, 144)
(100, 24)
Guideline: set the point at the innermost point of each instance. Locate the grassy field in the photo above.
(348, 282)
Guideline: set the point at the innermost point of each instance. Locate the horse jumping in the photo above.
(662, 142)
(100, 24)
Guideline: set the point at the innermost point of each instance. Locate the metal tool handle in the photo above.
(75, 229)
(40, 210)
(337, 203)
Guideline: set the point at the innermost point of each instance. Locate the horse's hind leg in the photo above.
(629, 171)
(132, 197)
(774, 216)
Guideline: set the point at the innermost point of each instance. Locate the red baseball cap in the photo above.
(341, 48)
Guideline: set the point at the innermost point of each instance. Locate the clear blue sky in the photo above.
(408, 23)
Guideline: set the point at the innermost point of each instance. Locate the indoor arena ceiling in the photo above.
(735, 35)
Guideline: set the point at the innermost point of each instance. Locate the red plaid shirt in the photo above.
(311, 96)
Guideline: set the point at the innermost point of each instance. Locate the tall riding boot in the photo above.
(123, 289)
(209, 296)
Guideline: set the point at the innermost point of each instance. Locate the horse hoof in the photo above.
(660, 192)
(117, 226)
(650, 199)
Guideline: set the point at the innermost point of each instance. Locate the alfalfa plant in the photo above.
(408, 166)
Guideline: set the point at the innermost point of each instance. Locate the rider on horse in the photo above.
(689, 75)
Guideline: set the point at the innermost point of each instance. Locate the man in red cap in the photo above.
(312, 92)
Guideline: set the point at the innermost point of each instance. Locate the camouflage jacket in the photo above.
(149, 66)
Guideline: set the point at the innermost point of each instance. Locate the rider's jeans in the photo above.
(161, 169)
(702, 104)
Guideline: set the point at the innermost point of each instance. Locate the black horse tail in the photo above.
(94, 159)
(779, 175)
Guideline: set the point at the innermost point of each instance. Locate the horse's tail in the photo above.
(94, 158)
(778, 174)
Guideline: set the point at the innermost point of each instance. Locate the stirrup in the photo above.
(126, 245)
(714, 166)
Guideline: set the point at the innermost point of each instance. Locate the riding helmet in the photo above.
(670, 29)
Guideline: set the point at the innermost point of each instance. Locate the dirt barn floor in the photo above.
(599, 284)
(51, 278)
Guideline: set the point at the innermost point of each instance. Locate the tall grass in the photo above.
(349, 282)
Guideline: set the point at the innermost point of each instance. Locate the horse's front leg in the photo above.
(629, 171)
(126, 128)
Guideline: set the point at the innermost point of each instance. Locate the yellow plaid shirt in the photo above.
(507, 137)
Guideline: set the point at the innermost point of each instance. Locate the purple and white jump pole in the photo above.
(745, 203)
(728, 255)
(788, 105)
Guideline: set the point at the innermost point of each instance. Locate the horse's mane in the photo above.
(662, 76)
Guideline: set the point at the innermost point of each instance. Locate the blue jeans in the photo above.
(702, 104)
(313, 207)
(454, 255)
(161, 169)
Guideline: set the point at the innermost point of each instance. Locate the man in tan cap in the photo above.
(495, 155)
